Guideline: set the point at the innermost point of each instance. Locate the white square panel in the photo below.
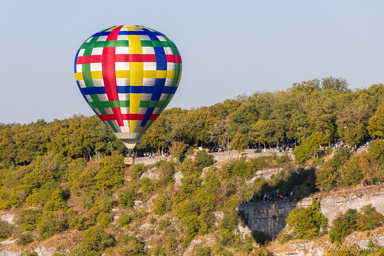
(81, 83)
(88, 97)
(122, 37)
(96, 67)
(168, 82)
(149, 81)
(102, 38)
(149, 65)
(102, 97)
(122, 50)
(97, 51)
(122, 81)
(146, 96)
(108, 110)
(79, 67)
(161, 38)
(121, 65)
(148, 50)
(124, 110)
(144, 37)
(170, 66)
(123, 96)
(81, 52)
(98, 82)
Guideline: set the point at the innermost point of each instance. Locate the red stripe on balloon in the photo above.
(127, 58)
(137, 117)
(109, 74)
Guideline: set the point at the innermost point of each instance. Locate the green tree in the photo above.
(239, 143)
(306, 223)
(343, 225)
(376, 123)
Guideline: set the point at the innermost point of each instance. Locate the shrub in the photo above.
(162, 205)
(131, 245)
(138, 170)
(301, 154)
(127, 198)
(24, 239)
(306, 223)
(79, 222)
(52, 223)
(227, 226)
(146, 185)
(96, 239)
(203, 159)
(125, 220)
(164, 223)
(29, 253)
(283, 159)
(351, 173)
(177, 150)
(6, 230)
(202, 251)
(28, 219)
(343, 225)
(369, 218)
(166, 171)
(104, 219)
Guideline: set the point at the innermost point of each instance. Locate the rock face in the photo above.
(338, 203)
(269, 217)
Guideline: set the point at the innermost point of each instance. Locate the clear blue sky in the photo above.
(228, 47)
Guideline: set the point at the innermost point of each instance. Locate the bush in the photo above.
(29, 253)
(351, 173)
(131, 245)
(202, 251)
(162, 205)
(79, 222)
(138, 170)
(52, 223)
(5, 230)
(127, 198)
(166, 171)
(283, 159)
(369, 218)
(164, 223)
(146, 185)
(24, 239)
(125, 220)
(203, 159)
(343, 225)
(96, 239)
(104, 219)
(28, 219)
(306, 223)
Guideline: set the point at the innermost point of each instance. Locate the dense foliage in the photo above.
(367, 219)
(62, 177)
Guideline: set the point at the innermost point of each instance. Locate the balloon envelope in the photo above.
(128, 75)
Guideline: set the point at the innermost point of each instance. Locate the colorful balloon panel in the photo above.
(128, 75)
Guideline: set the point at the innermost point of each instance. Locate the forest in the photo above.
(68, 175)
(317, 111)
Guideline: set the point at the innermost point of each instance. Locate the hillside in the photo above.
(64, 189)
(167, 208)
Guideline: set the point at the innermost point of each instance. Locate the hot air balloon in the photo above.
(128, 75)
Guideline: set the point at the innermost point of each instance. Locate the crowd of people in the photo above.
(267, 197)
(364, 182)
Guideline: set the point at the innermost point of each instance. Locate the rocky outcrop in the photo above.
(334, 204)
(269, 217)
